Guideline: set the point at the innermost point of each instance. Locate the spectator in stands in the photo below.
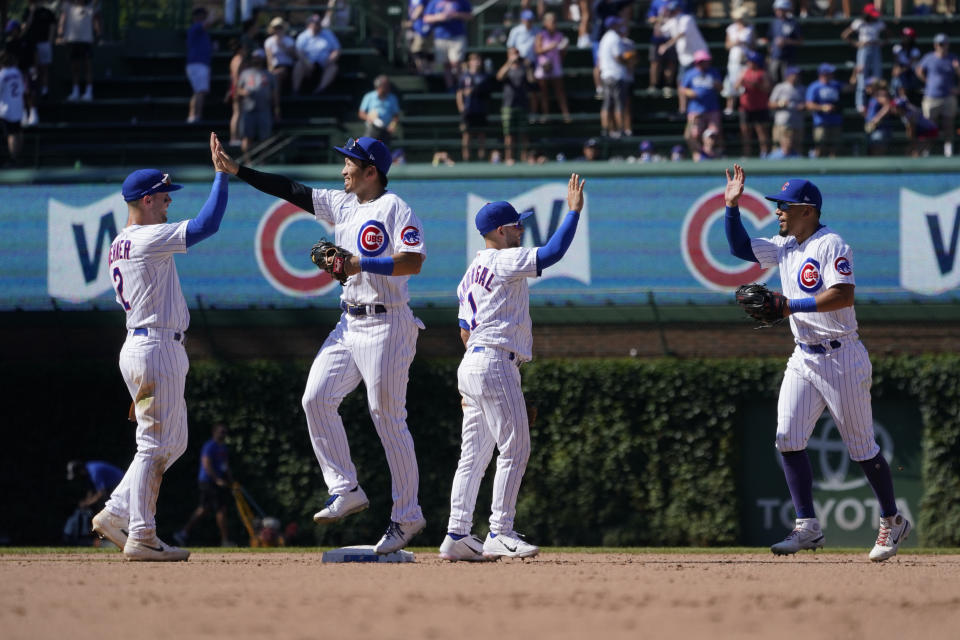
(448, 21)
(740, 40)
(710, 147)
(615, 58)
(921, 132)
(676, 153)
(524, 37)
(248, 11)
(701, 87)
(250, 39)
(318, 55)
(904, 82)
(832, 9)
(938, 71)
(39, 26)
(473, 96)
(22, 50)
(199, 55)
(281, 51)
(79, 27)
(754, 104)
(418, 36)
(647, 153)
(337, 15)
(258, 101)
(783, 38)
(663, 67)
(600, 11)
(380, 111)
(516, 75)
(788, 102)
(551, 45)
(683, 33)
(867, 35)
(785, 149)
(11, 106)
(238, 62)
(591, 150)
(823, 101)
(879, 120)
(94, 481)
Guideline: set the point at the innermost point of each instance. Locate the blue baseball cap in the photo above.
(526, 14)
(612, 21)
(145, 182)
(799, 191)
(369, 150)
(826, 69)
(496, 214)
(755, 57)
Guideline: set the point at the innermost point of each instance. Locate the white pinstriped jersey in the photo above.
(822, 261)
(378, 228)
(145, 277)
(495, 299)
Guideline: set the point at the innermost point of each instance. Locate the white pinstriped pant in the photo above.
(494, 415)
(839, 380)
(378, 350)
(155, 371)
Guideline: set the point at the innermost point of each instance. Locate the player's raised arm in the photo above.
(737, 237)
(550, 253)
(208, 220)
(270, 183)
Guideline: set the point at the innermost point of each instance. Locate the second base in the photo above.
(365, 553)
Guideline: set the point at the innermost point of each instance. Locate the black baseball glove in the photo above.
(765, 306)
(331, 258)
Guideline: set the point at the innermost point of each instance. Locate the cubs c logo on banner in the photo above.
(707, 211)
(842, 265)
(278, 272)
(808, 278)
(410, 236)
(372, 239)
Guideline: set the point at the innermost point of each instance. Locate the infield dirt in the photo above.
(557, 595)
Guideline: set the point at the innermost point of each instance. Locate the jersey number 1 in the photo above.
(118, 278)
(473, 305)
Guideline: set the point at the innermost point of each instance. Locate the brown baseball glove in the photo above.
(331, 258)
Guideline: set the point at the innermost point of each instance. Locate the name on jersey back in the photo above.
(119, 251)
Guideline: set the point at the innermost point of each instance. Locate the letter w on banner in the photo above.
(549, 205)
(78, 244)
(929, 247)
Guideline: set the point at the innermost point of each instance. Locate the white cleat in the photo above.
(508, 545)
(469, 548)
(153, 550)
(341, 505)
(806, 535)
(893, 531)
(398, 535)
(110, 526)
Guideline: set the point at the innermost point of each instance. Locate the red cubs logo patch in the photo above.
(410, 236)
(843, 267)
(372, 239)
(808, 278)
(785, 185)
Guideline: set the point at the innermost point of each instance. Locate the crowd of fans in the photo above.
(760, 86)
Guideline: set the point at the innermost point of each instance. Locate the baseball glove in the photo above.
(331, 258)
(763, 305)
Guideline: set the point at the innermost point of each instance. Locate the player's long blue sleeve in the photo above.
(208, 220)
(737, 236)
(550, 253)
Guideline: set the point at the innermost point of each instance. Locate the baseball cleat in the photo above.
(398, 535)
(110, 526)
(893, 531)
(341, 505)
(806, 535)
(468, 548)
(153, 550)
(508, 545)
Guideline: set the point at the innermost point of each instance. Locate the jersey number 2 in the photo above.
(118, 278)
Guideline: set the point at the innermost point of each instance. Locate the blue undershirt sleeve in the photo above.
(737, 236)
(208, 220)
(550, 253)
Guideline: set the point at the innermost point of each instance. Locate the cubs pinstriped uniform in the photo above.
(829, 366)
(840, 378)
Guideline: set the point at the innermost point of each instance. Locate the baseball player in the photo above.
(829, 366)
(376, 337)
(495, 327)
(153, 361)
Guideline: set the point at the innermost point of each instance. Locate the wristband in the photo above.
(803, 305)
(382, 266)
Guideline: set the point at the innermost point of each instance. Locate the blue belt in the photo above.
(819, 348)
(362, 309)
(513, 356)
(143, 331)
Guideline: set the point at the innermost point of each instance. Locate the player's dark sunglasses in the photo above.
(353, 146)
(786, 206)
